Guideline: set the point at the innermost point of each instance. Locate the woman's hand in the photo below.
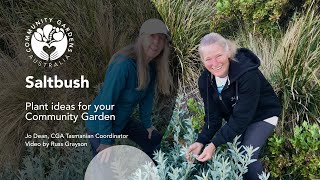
(150, 129)
(194, 148)
(207, 153)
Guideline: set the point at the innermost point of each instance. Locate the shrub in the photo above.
(197, 114)
(298, 156)
(264, 17)
(229, 162)
(259, 17)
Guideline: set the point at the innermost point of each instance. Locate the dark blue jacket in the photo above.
(246, 98)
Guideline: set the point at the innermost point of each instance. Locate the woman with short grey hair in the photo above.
(233, 88)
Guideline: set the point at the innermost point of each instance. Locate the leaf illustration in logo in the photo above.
(58, 36)
(38, 36)
(46, 30)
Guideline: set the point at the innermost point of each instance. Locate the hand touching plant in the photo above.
(195, 149)
(207, 153)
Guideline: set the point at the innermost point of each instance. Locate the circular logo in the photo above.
(49, 42)
(121, 162)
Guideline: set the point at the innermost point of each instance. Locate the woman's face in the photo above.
(153, 45)
(216, 59)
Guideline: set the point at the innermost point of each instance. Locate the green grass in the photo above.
(299, 54)
(188, 22)
(291, 63)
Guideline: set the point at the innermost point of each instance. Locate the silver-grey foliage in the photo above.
(229, 162)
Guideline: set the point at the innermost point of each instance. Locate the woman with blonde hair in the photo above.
(233, 88)
(131, 78)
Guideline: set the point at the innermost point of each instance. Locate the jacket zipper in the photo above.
(220, 97)
(224, 105)
(208, 109)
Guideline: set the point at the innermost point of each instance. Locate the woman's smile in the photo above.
(215, 59)
(153, 45)
(217, 68)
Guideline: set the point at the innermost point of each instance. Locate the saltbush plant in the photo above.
(228, 162)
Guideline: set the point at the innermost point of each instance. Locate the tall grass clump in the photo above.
(298, 54)
(265, 48)
(188, 21)
(291, 63)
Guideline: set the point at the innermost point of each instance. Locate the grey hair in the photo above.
(215, 38)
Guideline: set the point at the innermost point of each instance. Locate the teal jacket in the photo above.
(119, 89)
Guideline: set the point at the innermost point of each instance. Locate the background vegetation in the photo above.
(284, 34)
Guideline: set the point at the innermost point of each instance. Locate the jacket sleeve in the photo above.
(146, 104)
(114, 83)
(243, 111)
(212, 118)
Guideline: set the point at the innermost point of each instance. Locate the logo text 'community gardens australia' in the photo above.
(49, 42)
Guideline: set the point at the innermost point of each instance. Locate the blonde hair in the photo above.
(163, 75)
(215, 38)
